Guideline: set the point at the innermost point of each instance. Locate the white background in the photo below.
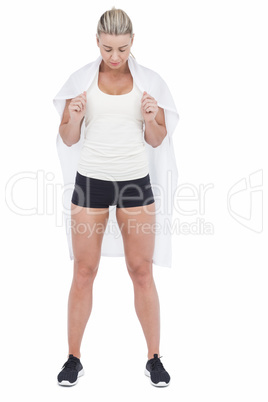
(213, 56)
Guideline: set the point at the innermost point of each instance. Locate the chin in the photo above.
(117, 65)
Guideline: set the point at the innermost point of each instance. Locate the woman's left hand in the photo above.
(149, 107)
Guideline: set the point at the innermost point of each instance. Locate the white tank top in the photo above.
(114, 145)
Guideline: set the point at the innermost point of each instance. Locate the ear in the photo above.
(97, 40)
(132, 39)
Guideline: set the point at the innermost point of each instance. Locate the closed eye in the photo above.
(111, 50)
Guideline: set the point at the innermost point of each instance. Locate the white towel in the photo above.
(162, 161)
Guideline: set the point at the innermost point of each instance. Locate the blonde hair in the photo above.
(115, 22)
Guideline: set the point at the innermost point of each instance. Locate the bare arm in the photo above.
(72, 119)
(155, 130)
(154, 117)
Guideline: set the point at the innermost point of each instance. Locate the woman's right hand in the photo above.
(77, 107)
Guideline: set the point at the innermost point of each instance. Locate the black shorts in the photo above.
(95, 193)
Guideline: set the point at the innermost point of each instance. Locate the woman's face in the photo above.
(115, 49)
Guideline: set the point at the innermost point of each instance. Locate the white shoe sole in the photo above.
(70, 384)
(159, 384)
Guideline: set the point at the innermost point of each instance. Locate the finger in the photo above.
(79, 101)
(81, 104)
(150, 104)
(78, 108)
(75, 108)
(151, 108)
(84, 95)
(151, 100)
(146, 96)
(80, 97)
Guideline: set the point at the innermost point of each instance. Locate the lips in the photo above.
(114, 64)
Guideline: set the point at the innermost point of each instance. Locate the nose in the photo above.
(115, 57)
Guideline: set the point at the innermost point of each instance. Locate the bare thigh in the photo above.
(88, 227)
(137, 225)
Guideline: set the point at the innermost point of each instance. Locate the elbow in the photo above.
(64, 141)
(69, 144)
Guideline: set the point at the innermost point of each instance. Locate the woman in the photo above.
(113, 170)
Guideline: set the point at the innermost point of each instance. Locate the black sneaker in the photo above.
(156, 371)
(71, 370)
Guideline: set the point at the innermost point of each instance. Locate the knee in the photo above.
(84, 272)
(141, 272)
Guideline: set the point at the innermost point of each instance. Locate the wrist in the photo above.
(74, 123)
(151, 122)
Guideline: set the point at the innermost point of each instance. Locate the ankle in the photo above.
(151, 355)
(75, 354)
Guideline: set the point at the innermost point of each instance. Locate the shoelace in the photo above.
(156, 364)
(70, 364)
